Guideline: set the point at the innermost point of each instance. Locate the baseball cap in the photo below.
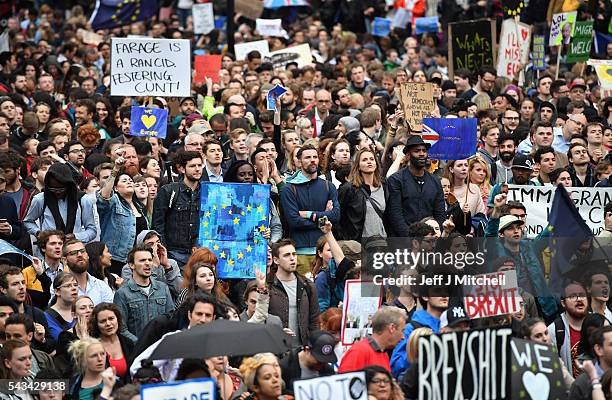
(322, 347)
(454, 314)
(577, 85)
(508, 220)
(522, 161)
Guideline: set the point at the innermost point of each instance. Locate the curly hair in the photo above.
(250, 367)
(92, 324)
(88, 135)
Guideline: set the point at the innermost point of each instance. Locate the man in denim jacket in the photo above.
(141, 299)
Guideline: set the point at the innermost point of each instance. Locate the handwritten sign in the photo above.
(562, 28)
(536, 371)
(250, 9)
(514, 47)
(492, 294)
(341, 386)
(539, 52)
(418, 102)
(269, 27)
(150, 67)
(464, 365)
(207, 66)
(590, 203)
(471, 44)
(200, 389)
(242, 49)
(151, 122)
(580, 46)
(203, 18)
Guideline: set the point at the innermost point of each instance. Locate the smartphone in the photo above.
(322, 221)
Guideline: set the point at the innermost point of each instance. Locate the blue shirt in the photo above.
(39, 219)
(97, 290)
(211, 176)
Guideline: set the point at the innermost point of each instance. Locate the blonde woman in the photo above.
(467, 194)
(304, 128)
(409, 382)
(478, 173)
(262, 376)
(94, 379)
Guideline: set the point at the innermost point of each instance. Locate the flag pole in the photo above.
(230, 10)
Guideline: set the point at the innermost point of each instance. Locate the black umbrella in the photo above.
(223, 338)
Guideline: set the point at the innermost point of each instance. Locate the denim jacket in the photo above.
(137, 308)
(118, 226)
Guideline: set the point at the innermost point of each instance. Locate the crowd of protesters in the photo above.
(112, 220)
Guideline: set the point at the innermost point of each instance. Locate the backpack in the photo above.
(559, 333)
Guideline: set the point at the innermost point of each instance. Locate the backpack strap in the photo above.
(493, 173)
(559, 333)
(374, 206)
(175, 190)
(417, 325)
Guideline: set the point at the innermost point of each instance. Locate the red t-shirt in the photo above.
(574, 340)
(120, 365)
(360, 355)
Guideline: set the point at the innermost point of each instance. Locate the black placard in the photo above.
(471, 44)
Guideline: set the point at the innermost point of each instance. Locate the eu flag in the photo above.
(450, 138)
(115, 13)
(568, 231)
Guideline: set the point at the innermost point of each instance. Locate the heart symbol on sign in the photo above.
(148, 120)
(524, 33)
(537, 385)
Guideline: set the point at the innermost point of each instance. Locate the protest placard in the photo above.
(150, 67)
(562, 28)
(418, 103)
(350, 386)
(401, 18)
(200, 389)
(152, 122)
(471, 44)
(426, 24)
(203, 18)
(361, 300)
(299, 54)
(242, 49)
(90, 37)
(450, 138)
(250, 9)
(381, 27)
(269, 27)
(536, 371)
(233, 218)
(273, 95)
(464, 365)
(207, 66)
(491, 294)
(539, 53)
(603, 69)
(514, 43)
(590, 203)
(580, 45)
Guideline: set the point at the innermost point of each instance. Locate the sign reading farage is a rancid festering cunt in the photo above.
(150, 67)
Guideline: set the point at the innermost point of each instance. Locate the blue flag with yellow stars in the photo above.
(115, 13)
(233, 222)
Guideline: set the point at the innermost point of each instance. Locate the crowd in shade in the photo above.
(112, 267)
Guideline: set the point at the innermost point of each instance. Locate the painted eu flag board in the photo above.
(233, 219)
(450, 138)
(147, 121)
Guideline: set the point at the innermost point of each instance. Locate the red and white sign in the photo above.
(491, 295)
(514, 44)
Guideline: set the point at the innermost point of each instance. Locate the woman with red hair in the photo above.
(200, 273)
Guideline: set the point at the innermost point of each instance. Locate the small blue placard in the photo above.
(426, 24)
(147, 121)
(381, 27)
(273, 94)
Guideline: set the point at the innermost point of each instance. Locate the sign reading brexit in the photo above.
(150, 67)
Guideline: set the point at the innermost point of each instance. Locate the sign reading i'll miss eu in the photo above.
(150, 67)
(151, 122)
